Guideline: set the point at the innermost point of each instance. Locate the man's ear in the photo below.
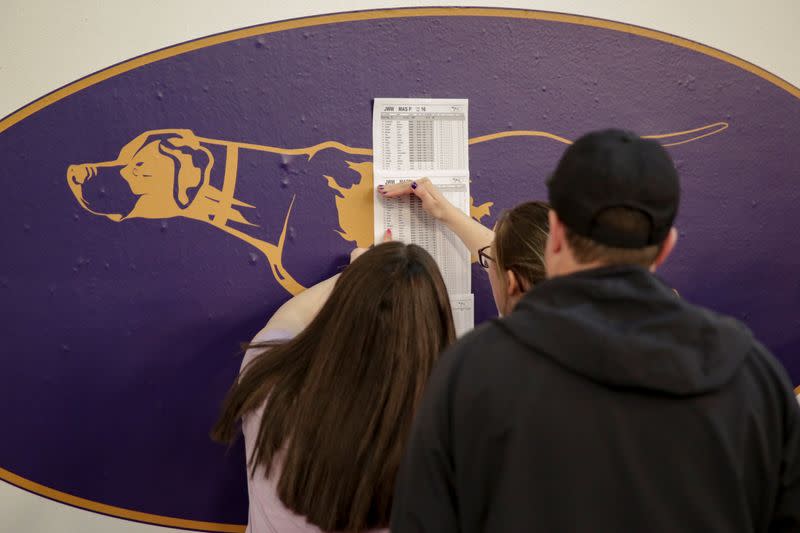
(666, 248)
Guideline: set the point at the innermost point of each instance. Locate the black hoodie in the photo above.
(604, 403)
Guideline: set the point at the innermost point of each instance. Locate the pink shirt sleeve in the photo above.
(265, 335)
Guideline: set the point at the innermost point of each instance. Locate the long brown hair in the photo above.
(520, 236)
(342, 393)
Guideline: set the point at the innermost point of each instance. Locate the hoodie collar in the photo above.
(623, 327)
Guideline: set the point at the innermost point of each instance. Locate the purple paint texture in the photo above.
(122, 337)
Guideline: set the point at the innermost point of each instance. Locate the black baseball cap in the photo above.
(615, 168)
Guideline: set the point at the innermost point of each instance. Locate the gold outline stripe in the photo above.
(116, 512)
(797, 390)
(518, 133)
(274, 27)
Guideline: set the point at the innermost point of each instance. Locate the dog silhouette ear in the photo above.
(192, 166)
(132, 148)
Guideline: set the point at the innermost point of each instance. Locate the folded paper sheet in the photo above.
(416, 138)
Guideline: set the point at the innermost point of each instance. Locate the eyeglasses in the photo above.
(484, 258)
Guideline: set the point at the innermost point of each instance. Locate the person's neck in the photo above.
(572, 267)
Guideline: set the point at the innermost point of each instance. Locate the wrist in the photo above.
(449, 213)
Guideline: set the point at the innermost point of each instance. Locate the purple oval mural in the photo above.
(155, 218)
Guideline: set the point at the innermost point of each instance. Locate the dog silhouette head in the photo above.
(156, 175)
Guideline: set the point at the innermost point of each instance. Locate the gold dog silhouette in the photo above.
(168, 173)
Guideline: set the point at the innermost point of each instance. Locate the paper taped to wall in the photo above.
(463, 312)
(412, 135)
(416, 138)
(411, 224)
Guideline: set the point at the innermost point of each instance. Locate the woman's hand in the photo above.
(358, 252)
(432, 199)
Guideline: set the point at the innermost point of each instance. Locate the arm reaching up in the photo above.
(298, 312)
(471, 232)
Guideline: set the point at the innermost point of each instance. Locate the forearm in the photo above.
(298, 312)
(471, 232)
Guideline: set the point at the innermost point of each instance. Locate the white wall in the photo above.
(23, 512)
(47, 44)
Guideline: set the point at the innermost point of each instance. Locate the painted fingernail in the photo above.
(413, 184)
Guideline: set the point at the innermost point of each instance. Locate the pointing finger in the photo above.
(421, 188)
(394, 190)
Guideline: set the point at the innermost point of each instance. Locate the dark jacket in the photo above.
(604, 403)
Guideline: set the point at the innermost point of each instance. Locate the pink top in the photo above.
(267, 512)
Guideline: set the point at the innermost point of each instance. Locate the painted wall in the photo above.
(125, 312)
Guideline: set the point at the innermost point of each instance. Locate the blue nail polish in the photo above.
(414, 185)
